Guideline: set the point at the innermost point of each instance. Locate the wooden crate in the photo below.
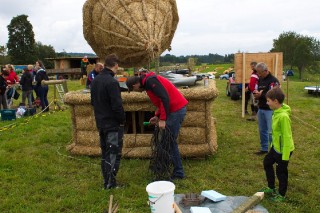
(274, 62)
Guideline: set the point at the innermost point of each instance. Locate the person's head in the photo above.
(30, 67)
(134, 84)
(3, 70)
(9, 67)
(262, 70)
(253, 65)
(39, 63)
(111, 62)
(98, 67)
(275, 98)
(142, 71)
(85, 57)
(24, 70)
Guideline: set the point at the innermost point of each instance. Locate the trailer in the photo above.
(312, 89)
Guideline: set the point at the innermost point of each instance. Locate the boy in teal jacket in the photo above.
(282, 145)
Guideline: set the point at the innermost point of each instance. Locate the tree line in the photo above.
(300, 51)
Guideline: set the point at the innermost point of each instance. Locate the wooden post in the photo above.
(276, 66)
(243, 82)
(249, 203)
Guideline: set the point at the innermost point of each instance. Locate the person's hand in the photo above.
(257, 93)
(154, 120)
(162, 124)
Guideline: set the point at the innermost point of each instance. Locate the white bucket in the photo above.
(161, 196)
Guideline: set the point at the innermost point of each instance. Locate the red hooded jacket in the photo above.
(163, 94)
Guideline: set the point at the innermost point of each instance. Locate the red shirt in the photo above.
(12, 78)
(163, 94)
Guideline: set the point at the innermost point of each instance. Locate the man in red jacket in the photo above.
(171, 110)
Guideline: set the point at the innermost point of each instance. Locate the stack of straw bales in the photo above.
(197, 136)
(137, 31)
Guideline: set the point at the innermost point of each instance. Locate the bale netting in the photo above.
(197, 136)
(137, 31)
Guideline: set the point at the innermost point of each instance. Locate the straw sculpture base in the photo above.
(197, 137)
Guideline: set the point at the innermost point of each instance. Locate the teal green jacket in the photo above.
(282, 141)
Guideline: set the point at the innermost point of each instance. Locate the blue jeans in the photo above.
(265, 128)
(173, 123)
(43, 93)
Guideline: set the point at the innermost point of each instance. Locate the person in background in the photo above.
(266, 82)
(97, 69)
(26, 84)
(3, 88)
(110, 118)
(40, 64)
(171, 110)
(83, 65)
(12, 77)
(33, 74)
(253, 85)
(282, 145)
(42, 90)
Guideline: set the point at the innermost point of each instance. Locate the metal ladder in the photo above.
(61, 89)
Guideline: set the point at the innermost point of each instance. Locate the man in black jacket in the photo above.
(266, 82)
(110, 118)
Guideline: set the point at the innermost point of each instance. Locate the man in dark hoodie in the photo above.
(27, 89)
(110, 119)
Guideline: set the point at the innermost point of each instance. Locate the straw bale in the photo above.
(88, 138)
(77, 98)
(139, 106)
(201, 92)
(83, 110)
(137, 152)
(86, 123)
(196, 105)
(136, 140)
(208, 108)
(194, 150)
(194, 119)
(212, 136)
(137, 31)
(192, 135)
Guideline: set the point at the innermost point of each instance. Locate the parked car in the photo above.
(224, 76)
(179, 79)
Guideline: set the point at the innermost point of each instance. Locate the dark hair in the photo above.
(111, 60)
(132, 81)
(253, 63)
(40, 64)
(276, 94)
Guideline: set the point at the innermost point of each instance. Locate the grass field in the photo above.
(37, 174)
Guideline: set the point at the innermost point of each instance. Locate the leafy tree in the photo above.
(4, 58)
(298, 50)
(43, 52)
(21, 43)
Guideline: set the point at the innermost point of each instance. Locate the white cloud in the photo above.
(205, 26)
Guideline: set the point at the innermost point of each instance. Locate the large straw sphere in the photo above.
(136, 30)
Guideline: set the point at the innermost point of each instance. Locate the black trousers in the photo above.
(281, 170)
(111, 146)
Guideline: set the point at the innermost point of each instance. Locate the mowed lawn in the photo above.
(37, 174)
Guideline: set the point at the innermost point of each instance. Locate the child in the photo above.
(281, 147)
(27, 89)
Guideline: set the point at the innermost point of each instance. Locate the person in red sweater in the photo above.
(12, 77)
(170, 113)
(253, 85)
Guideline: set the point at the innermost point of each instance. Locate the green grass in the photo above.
(37, 174)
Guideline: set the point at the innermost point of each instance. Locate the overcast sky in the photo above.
(205, 26)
